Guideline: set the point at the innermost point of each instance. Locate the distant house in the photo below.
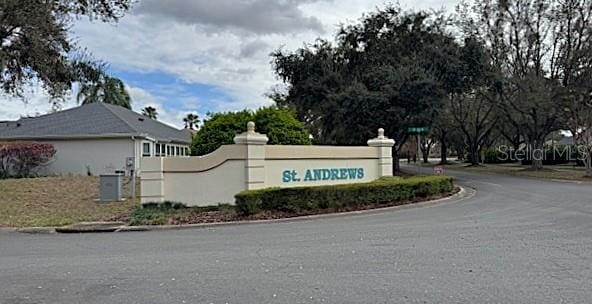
(97, 138)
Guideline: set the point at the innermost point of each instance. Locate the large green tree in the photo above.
(391, 70)
(279, 124)
(106, 89)
(35, 47)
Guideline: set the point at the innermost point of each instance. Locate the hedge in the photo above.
(387, 190)
(495, 156)
(557, 155)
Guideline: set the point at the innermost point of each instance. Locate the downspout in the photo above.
(135, 171)
(134, 151)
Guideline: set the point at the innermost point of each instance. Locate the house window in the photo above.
(177, 151)
(162, 150)
(157, 150)
(187, 153)
(168, 149)
(146, 149)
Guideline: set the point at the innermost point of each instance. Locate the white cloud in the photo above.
(143, 99)
(35, 102)
(224, 43)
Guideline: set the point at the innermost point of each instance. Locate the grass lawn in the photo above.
(565, 172)
(57, 201)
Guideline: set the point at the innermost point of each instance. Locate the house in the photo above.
(97, 138)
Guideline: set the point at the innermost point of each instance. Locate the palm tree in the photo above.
(106, 89)
(191, 121)
(150, 112)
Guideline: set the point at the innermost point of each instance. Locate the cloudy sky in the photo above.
(202, 56)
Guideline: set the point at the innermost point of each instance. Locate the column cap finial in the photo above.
(381, 140)
(250, 126)
(250, 137)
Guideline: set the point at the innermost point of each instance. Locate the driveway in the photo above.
(515, 241)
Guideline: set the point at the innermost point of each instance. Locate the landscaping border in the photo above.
(461, 195)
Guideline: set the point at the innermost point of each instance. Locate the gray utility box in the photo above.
(110, 187)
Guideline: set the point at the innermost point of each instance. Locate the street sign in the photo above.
(418, 130)
(439, 170)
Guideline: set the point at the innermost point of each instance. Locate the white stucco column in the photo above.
(152, 180)
(385, 153)
(255, 162)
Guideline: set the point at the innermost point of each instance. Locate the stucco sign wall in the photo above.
(251, 164)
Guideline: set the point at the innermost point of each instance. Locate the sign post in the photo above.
(418, 131)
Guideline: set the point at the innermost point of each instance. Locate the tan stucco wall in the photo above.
(275, 168)
(196, 181)
(207, 187)
(217, 177)
(205, 162)
(318, 152)
(302, 158)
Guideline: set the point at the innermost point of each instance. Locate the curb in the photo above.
(90, 227)
(36, 230)
(461, 195)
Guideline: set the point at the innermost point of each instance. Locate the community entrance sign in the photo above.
(252, 164)
(313, 175)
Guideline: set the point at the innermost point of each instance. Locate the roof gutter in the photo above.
(93, 136)
(76, 136)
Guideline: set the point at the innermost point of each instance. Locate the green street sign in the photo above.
(418, 129)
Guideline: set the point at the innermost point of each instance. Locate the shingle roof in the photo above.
(92, 120)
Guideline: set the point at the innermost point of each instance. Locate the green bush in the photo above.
(279, 124)
(557, 155)
(389, 190)
(495, 156)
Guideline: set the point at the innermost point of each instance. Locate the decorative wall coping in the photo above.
(318, 152)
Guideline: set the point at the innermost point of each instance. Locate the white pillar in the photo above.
(385, 153)
(255, 161)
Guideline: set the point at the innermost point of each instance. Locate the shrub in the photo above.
(280, 125)
(22, 159)
(389, 190)
(495, 156)
(553, 156)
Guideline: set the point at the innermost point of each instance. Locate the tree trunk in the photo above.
(460, 151)
(588, 161)
(474, 154)
(443, 154)
(536, 154)
(396, 167)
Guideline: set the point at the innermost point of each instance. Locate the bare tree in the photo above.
(525, 52)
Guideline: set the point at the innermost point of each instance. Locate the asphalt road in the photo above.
(515, 241)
